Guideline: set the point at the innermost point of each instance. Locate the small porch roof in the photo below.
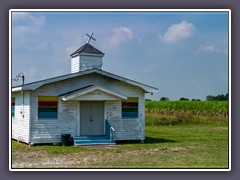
(72, 95)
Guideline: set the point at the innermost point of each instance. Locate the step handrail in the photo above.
(109, 130)
(111, 133)
(112, 129)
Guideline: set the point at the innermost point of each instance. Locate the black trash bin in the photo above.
(66, 139)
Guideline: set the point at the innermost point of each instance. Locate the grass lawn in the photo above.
(178, 146)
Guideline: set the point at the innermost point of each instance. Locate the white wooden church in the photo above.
(90, 104)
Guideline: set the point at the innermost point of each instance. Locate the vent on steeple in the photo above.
(86, 57)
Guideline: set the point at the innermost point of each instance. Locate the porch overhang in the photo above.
(17, 89)
(93, 92)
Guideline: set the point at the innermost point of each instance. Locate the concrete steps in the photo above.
(92, 140)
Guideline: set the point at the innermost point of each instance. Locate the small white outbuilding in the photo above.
(87, 103)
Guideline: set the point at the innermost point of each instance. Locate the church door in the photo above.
(91, 118)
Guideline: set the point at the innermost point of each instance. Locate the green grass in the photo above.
(157, 119)
(179, 146)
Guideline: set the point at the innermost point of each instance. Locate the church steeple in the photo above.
(86, 57)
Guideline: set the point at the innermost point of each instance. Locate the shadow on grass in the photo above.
(150, 140)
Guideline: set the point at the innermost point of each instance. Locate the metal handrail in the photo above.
(111, 133)
(112, 129)
(109, 130)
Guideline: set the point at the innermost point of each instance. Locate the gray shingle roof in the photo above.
(37, 84)
(89, 49)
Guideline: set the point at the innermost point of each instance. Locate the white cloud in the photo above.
(212, 48)
(27, 18)
(27, 32)
(178, 32)
(120, 35)
(24, 23)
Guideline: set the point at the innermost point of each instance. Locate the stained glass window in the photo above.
(13, 107)
(47, 107)
(130, 107)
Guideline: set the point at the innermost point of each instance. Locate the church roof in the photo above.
(88, 49)
(37, 84)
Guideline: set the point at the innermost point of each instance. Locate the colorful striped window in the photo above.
(47, 107)
(130, 107)
(13, 107)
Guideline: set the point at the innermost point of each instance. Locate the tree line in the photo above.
(220, 97)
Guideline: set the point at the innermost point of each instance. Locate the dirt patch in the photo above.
(175, 149)
(102, 147)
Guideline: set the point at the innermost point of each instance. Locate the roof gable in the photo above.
(37, 84)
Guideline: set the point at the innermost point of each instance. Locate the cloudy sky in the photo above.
(183, 54)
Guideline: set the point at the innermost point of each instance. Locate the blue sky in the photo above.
(183, 54)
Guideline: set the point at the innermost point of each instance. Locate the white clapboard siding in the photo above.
(75, 64)
(127, 128)
(112, 109)
(20, 124)
(50, 130)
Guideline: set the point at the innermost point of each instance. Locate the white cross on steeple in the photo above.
(90, 37)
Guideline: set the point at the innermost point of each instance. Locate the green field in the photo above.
(197, 108)
(186, 112)
(179, 138)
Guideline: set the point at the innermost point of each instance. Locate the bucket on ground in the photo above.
(66, 139)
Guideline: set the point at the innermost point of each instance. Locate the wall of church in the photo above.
(127, 128)
(20, 120)
(68, 121)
